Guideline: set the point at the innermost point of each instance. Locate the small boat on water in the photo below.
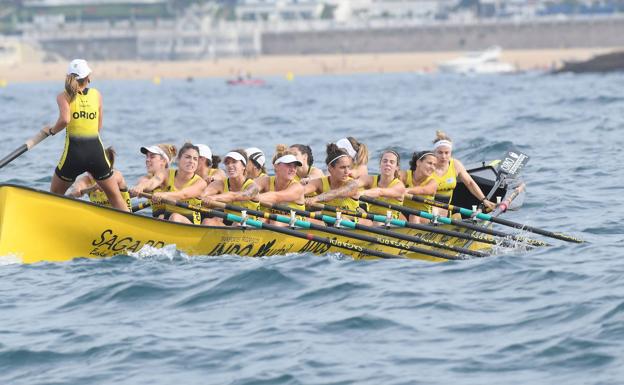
(246, 82)
(37, 226)
(480, 62)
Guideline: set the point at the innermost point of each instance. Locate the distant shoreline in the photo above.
(534, 59)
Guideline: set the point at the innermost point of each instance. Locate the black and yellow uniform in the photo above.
(191, 215)
(83, 148)
(374, 209)
(346, 203)
(293, 205)
(409, 183)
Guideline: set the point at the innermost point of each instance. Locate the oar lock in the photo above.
(244, 217)
(338, 219)
(293, 219)
(388, 218)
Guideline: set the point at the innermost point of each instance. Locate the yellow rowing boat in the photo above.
(38, 226)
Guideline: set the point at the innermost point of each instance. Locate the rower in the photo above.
(182, 185)
(237, 188)
(86, 184)
(306, 171)
(449, 169)
(255, 165)
(358, 152)
(419, 180)
(208, 167)
(157, 160)
(338, 189)
(282, 188)
(80, 110)
(386, 187)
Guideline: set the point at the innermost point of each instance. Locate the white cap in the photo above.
(256, 154)
(155, 150)
(79, 67)
(204, 151)
(236, 156)
(345, 144)
(288, 158)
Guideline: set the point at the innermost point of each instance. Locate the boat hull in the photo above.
(37, 226)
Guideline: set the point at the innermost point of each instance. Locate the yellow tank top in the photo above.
(158, 208)
(348, 203)
(447, 182)
(294, 205)
(194, 216)
(409, 182)
(99, 197)
(84, 119)
(251, 205)
(374, 209)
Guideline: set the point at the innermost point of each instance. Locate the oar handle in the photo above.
(30, 143)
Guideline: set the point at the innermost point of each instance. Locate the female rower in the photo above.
(157, 160)
(182, 185)
(255, 165)
(306, 171)
(338, 189)
(448, 169)
(236, 189)
(86, 184)
(419, 180)
(80, 110)
(359, 152)
(283, 188)
(208, 167)
(386, 187)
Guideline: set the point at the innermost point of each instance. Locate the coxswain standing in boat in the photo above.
(182, 185)
(338, 189)
(449, 169)
(306, 171)
(237, 188)
(420, 180)
(283, 188)
(208, 167)
(255, 163)
(386, 187)
(80, 111)
(86, 184)
(359, 152)
(157, 161)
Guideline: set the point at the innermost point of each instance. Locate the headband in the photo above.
(336, 158)
(425, 154)
(442, 142)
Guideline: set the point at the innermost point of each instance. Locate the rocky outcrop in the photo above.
(601, 63)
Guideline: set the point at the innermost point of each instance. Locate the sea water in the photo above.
(549, 315)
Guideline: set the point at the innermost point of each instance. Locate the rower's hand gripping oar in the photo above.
(278, 229)
(30, 143)
(487, 217)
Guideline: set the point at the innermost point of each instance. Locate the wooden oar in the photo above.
(30, 143)
(487, 217)
(402, 223)
(454, 222)
(351, 234)
(141, 205)
(352, 225)
(282, 230)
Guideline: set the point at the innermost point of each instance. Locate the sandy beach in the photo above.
(26, 71)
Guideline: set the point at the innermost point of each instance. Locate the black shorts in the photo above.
(83, 154)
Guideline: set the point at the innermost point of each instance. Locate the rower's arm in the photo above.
(471, 185)
(63, 118)
(192, 191)
(148, 184)
(293, 193)
(428, 189)
(76, 190)
(313, 185)
(348, 190)
(250, 193)
(397, 191)
(100, 117)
